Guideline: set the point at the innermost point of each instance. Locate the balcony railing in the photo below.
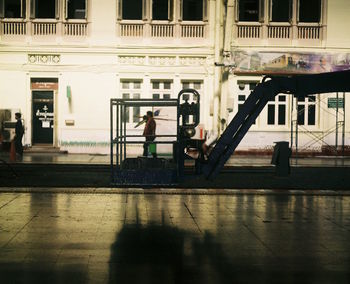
(131, 30)
(309, 31)
(13, 27)
(279, 31)
(44, 28)
(162, 30)
(192, 30)
(19, 27)
(301, 31)
(248, 30)
(75, 29)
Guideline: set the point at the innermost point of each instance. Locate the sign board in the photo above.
(332, 103)
(263, 62)
(44, 86)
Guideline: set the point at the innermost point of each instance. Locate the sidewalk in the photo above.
(241, 172)
(234, 161)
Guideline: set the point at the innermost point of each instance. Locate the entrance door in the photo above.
(43, 117)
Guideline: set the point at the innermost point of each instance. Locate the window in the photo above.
(309, 11)
(197, 85)
(161, 89)
(130, 89)
(76, 9)
(192, 10)
(276, 110)
(132, 9)
(244, 90)
(307, 111)
(281, 10)
(250, 10)
(44, 9)
(12, 8)
(162, 9)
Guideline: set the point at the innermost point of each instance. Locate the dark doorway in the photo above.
(43, 117)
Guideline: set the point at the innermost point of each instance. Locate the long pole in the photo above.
(343, 130)
(296, 132)
(336, 126)
(291, 124)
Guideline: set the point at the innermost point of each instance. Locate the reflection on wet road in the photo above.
(162, 238)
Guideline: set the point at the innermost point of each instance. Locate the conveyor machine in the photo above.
(128, 166)
(299, 86)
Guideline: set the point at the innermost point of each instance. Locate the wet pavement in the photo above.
(174, 238)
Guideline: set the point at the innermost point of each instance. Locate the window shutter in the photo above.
(205, 10)
(261, 10)
(86, 9)
(170, 10)
(180, 10)
(120, 10)
(144, 10)
(2, 8)
(32, 9)
(237, 11)
(23, 9)
(290, 11)
(270, 10)
(57, 9)
(66, 9)
(298, 5)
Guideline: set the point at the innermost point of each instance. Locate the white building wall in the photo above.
(93, 65)
(333, 40)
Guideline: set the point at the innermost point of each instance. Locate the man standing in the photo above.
(19, 131)
(150, 133)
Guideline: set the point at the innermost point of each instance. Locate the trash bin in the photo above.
(280, 158)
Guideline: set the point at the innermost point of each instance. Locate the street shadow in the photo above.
(164, 254)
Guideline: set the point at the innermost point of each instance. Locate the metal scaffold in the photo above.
(335, 108)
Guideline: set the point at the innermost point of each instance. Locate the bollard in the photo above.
(13, 152)
(280, 158)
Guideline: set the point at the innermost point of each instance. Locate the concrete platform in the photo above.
(236, 160)
(166, 238)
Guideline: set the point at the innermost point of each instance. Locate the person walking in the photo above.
(150, 133)
(19, 131)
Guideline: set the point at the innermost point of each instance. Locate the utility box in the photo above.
(7, 124)
(280, 158)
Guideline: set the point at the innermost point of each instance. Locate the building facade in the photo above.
(61, 61)
(264, 37)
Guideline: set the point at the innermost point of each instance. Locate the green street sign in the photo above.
(332, 103)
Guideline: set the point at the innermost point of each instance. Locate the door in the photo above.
(43, 117)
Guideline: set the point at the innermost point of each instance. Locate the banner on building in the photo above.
(260, 62)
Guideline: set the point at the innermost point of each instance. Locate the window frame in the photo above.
(162, 91)
(306, 103)
(66, 11)
(170, 11)
(298, 13)
(131, 92)
(144, 11)
(277, 103)
(22, 11)
(261, 12)
(33, 10)
(248, 88)
(291, 3)
(204, 12)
